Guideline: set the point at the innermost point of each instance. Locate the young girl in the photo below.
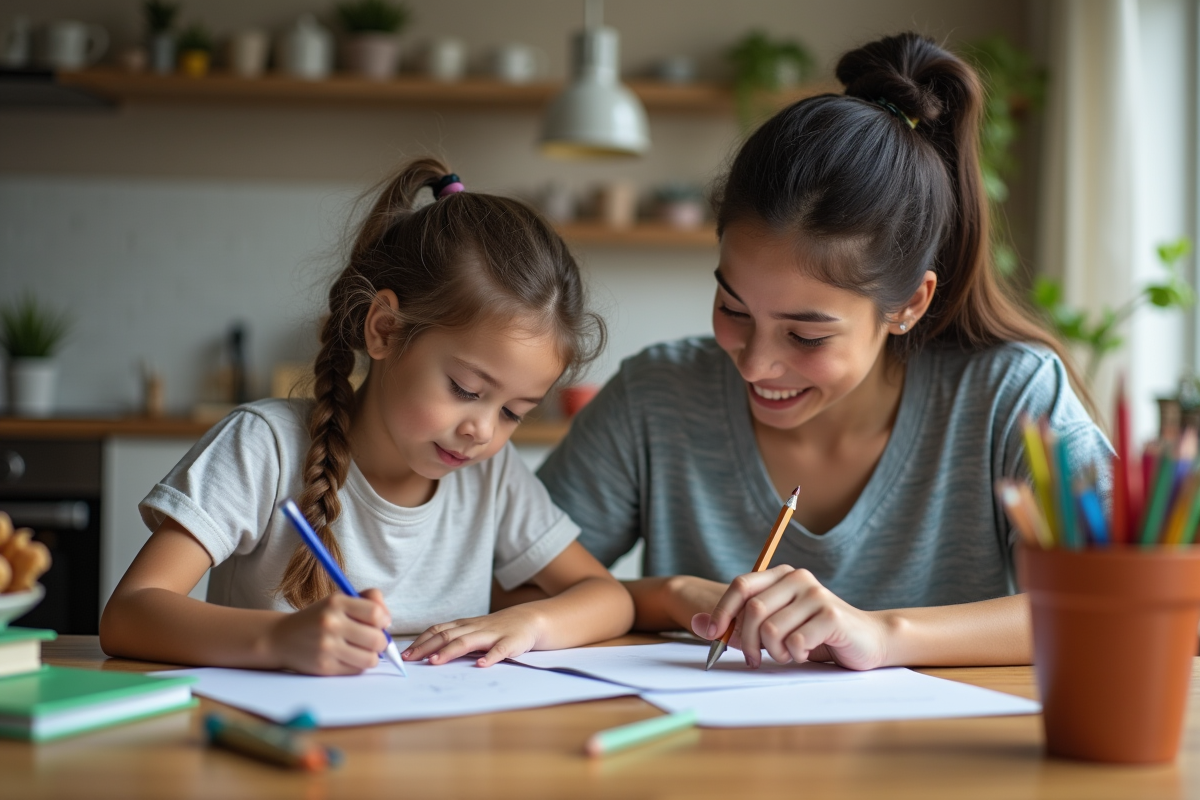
(469, 309)
(864, 350)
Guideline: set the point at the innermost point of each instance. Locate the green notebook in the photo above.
(21, 649)
(57, 701)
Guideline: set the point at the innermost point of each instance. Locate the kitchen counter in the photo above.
(536, 433)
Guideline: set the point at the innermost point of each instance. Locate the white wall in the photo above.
(156, 270)
(159, 225)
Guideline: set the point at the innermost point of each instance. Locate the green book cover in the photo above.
(22, 634)
(59, 701)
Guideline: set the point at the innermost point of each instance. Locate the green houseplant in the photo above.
(160, 16)
(372, 49)
(762, 66)
(31, 333)
(1100, 337)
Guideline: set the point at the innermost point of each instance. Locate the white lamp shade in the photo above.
(595, 116)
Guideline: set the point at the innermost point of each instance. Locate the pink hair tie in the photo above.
(449, 184)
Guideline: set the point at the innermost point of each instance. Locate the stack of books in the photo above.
(40, 702)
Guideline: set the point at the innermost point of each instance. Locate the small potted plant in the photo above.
(159, 18)
(681, 205)
(31, 333)
(195, 51)
(764, 66)
(373, 49)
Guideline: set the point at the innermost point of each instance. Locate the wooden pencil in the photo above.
(764, 560)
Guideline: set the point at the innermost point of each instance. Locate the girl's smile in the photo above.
(450, 457)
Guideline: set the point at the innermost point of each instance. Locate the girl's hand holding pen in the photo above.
(499, 635)
(340, 635)
(790, 614)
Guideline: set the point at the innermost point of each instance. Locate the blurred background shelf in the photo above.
(535, 432)
(645, 234)
(124, 87)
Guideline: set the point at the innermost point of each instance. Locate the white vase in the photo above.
(306, 50)
(31, 384)
(373, 55)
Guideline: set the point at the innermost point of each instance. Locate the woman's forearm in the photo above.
(592, 610)
(155, 624)
(986, 633)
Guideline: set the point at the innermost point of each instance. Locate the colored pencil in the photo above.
(1120, 481)
(1034, 514)
(1156, 506)
(616, 739)
(1091, 511)
(1180, 510)
(764, 560)
(1060, 479)
(1010, 501)
(1193, 519)
(1132, 470)
(1039, 468)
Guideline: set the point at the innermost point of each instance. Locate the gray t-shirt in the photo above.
(666, 452)
(434, 563)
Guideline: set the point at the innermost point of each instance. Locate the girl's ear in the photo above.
(903, 320)
(381, 326)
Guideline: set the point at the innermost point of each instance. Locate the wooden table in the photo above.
(537, 754)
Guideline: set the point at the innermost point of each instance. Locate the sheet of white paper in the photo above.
(382, 695)
(678, 667)
(883, 694)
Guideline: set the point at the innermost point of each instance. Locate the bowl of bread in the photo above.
(22, 561)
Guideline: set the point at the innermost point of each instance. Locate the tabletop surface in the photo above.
(538, 754)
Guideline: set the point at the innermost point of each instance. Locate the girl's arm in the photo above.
(793, 617)
(584, 604)
(150, 617)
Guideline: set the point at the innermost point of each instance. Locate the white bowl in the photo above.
(17, 604)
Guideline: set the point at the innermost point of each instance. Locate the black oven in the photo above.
(53, 487)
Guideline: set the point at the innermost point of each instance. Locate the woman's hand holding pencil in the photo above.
(340, 635)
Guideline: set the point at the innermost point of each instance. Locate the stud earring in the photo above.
(903, 327)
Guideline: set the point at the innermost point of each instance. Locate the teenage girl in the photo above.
(468, 309)
(864, 350)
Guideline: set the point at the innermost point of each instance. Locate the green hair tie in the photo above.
(910, 121)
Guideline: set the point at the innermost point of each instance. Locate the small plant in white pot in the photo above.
(31, 333)
(373, 28)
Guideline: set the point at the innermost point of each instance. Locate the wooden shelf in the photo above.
(221, 87)
(646, 234)
(535, 433)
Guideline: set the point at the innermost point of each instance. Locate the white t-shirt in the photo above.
(433, 563)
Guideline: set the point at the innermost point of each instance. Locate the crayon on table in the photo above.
(626, 736)
(310, 539)
(267, 742)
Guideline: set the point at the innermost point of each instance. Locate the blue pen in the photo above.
(292, 512)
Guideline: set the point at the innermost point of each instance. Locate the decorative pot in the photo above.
(194, 63)
(306, 50)
(162, 53)
(373, 55)
(31, 386)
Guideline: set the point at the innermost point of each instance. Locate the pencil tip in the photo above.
(796, 492)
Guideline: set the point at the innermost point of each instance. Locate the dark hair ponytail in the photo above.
(883, 183)
(452, 263)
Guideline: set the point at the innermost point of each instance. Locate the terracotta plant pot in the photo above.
(1114, 639)
(373, 55)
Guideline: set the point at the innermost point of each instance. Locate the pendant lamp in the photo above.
(595, 116)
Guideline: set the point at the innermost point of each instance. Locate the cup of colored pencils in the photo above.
(1114, 591)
